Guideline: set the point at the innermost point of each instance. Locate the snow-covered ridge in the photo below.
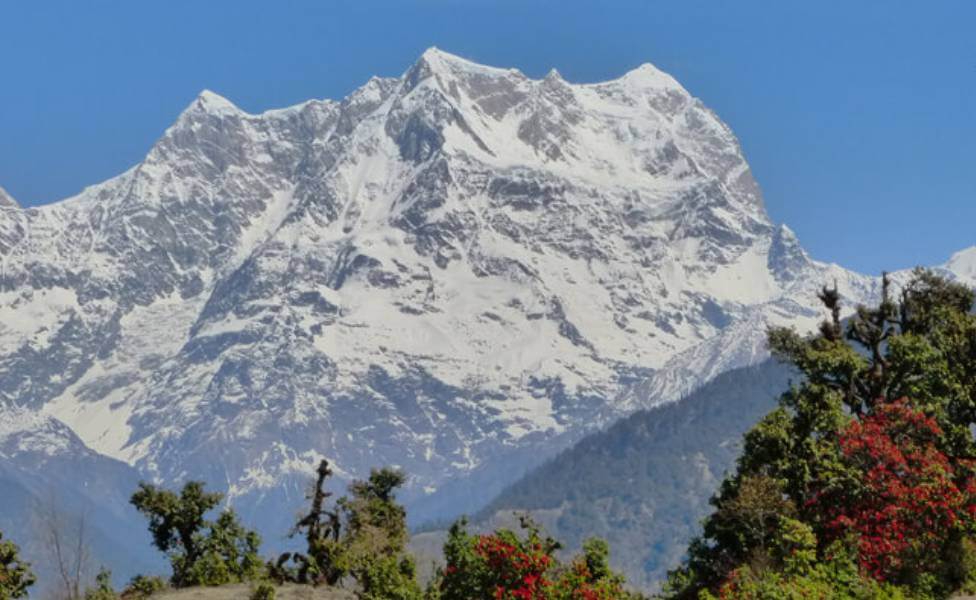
(452, 270)
(7, 201)
(24, 431)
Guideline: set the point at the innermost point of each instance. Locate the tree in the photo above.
(64, 537)
(15, 575)
(504, 565)
(828, 455)
(376, 525)
(321, 528)
(905, 507)
(375, 538)
(362, 536)
(500, 565)
(201, 552)
(589, 577)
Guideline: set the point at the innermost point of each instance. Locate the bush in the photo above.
(263, 590)
(389, 578)
(143, 586)
(103, 589)
(801, 577)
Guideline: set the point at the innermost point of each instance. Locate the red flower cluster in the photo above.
(519, 572)
(908, 500)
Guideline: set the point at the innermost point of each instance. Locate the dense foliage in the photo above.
(363, 536)
(869, 461)
(201, 552)
(505, 566)
(906, 502)
(15, 575)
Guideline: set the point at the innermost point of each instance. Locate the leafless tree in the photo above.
(64, 539)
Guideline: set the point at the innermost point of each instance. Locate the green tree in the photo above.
(589, 577)
(15, 575)
(321, 527)
(201, 552)
(375, 538)
(362, 536)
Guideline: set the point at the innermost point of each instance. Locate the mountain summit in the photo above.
(6, 200)
(458, 271)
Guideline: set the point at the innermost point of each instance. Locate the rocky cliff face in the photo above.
(458, 271)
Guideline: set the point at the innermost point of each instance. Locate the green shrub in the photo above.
(103, 589)
(262, 590)
(143, 586)
(389, 578)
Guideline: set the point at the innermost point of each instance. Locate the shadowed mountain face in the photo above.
(48, 478)
(458, 271)
(644, 483)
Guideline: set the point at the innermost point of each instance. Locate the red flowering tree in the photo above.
(900, 498)
(506, 566)
(517, 567)
(502, 565)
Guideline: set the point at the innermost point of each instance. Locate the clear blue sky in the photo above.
(859, 118)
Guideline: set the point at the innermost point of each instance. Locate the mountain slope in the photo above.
(49, 478)
(644, 483)
(460, 270)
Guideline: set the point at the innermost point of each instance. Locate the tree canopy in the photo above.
(869, 458)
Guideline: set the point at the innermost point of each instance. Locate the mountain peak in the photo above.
(6, 200)
(435, 57)
(212, 103)
(435, 61)
(553, 75)
(963, 262)
(647, 76)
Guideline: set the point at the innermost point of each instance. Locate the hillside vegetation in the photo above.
(644, 483)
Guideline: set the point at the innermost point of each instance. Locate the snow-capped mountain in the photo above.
(444, 271)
